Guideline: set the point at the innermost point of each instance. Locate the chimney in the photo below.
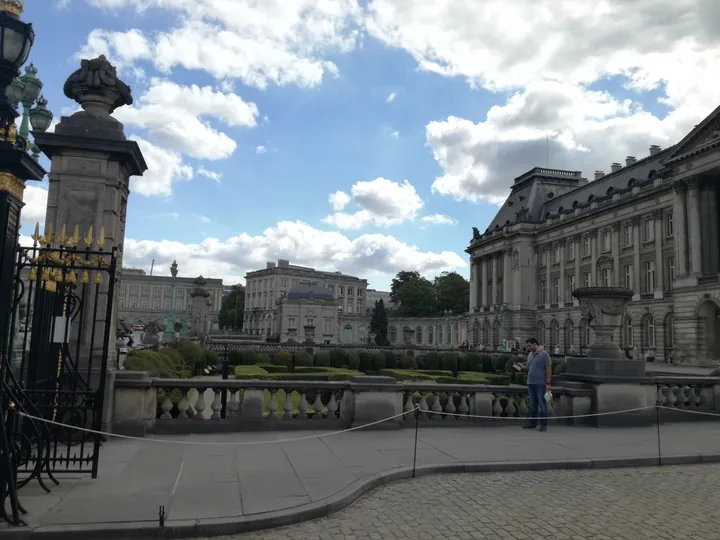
(615, 167)
(654, 149)
(599, 174)
(269, 265)
(630, 160)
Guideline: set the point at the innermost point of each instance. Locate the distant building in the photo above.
(374, 295)
(142, 298)
(265, 288)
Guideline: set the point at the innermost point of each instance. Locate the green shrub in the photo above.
(561, 367)
(410, 352)
(322, 358)
(192, 355)
(335, 375)
(315, 369)
(432, 361)
(520, 378)
(283, 358)
(353, 361)
(499, 361)
(509, 363)
(498, 379)
(471, 377)
(302, 358)
(449, 362)
(437, 372)
(236, 357)
(338, 358)
(378, 361)
(407, 374)
(262, 358)
(177, 360)
(211, 357)
(249, 372)
(272, 368)
(365, 361)
(487, 363)
(393, 360)
(249, 358)
(154, 363)
(408, 362)
(473, 362)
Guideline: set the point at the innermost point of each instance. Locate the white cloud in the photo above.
(375, 255)
(173, 116)
(212, 175)
(439, 219)
(391, 97)
(164, 168)
(382, 202)
(121, 48)
(395, 134)
(35, 199)
(202, 218)
(260, 149)
(339, 200)
(260, 43)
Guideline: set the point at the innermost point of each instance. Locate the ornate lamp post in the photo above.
(502, 309)
(170, 322)
(26, 90)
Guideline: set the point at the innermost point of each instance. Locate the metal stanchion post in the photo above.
(225, 374)
(417, 426)
(657, 422)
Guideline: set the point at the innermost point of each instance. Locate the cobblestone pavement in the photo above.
(632, 504)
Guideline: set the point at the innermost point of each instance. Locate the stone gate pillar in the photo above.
(91, 165)
(199, 310)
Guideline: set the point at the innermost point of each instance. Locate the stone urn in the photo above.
(604, 307)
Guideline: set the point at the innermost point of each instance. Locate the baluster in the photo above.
(686, 396)
(408, 406)
(303, 407)
(497, 409)
(233, 406)
(691, 397)
(463, 409)
(332, 406)
(450, 405)
(317, 406)
(423, 404)
(273, 405)
(523, 409)
(200, 404)
(288, 406)
(510, 408)
(166, 405)
(671, 396)
(436, 407)
(183, 405)
(216, 405)
(660, 399)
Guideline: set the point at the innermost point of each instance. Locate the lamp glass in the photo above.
(40, 119)
(16, 91)
(16, 39)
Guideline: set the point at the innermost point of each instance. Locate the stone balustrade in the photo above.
(701, 394)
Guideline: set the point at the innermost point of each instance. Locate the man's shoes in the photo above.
(543, 428)
(529, 426)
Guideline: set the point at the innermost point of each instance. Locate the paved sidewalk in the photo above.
(233, 484)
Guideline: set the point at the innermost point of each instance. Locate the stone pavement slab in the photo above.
(283, 482)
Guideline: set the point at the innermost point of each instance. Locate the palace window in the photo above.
(587, 279)
(586, 246)
(670, 271)
(649, 276)
(291, 323)
(628, 333)
(121, 303)
(327, 326)
(543, 292)
(648, 332)
(649, 230)
(570, 250)
(418, 335)
(606, 277)
(669, 231)
(350, 291)
(430, 335)
(309, 321)
(569, 334)
(144, 304)
(392, 334)
(628, 273)
(606, 244)
(627, 235)
(556, 291)
(341, 290)
(570, 286)
(543, 257)
(557, 254)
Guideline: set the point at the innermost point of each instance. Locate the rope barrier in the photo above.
(535, 417)
(703, 413)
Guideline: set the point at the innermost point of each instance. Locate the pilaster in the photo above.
(694, 233)
(659, 266)
(637, 272)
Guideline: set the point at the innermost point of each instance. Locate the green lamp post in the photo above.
(26, 90)
(170, 321)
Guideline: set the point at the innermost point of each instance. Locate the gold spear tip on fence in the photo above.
(76, 236)
(101, 238)
(89, 237)
(36, 234)
(63, 235)
(11, 405)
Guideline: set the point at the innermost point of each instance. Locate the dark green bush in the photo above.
(249, 358)
(338, 357)
(249, 372)
(262, 358)
(473, 362)
(353, 361)
(303, 358)
(449, 362)
(393, 360)
(408, 362)
(498, 361)
(192, 355)
(322, 358)
(379, 361)
(509, 365)
(283, 358)
(432, 361)
(156, 364)
(272, 368)
(520, 378)
(365, 361)
(211, 357)
(437, 372)
(236, 357)
(410, 352)
(407, 374)
(561, 367)
(487, 363)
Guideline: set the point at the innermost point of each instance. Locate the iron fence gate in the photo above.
(55, 364)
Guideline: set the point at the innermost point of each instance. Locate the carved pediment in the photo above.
(705, 134)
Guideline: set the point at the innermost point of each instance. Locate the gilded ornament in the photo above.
(12, 6)
(14, 186)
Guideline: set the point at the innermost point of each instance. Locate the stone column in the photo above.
(561, 298)
(594, 254)
(473, 284)
(615, 240)
(578, 259)
(711, 239)
(494, 298)
(637, 272)
(507, 262)
(91, 165)
(483, 262)
(548, 271)
(680, 232)
(658, 215)
(694, 233)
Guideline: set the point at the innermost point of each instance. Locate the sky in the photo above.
(368, 136)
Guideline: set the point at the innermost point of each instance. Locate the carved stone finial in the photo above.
(476, 233)
(96, 87)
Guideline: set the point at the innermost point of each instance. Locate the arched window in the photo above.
(486, 333)
(392, 334)
(554, 333)
(448, 330)
(440, 335)
(418, 335)
(476, 333)
(430, 335)
(669, 335)
(569, 334)
(541, 332)
(584, 333)
(648, 332)
(627, 333)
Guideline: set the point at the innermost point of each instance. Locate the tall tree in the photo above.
(452, 292)
(232, 308)
(414, 294)
(379, 323)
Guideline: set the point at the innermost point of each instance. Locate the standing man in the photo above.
(539, 368)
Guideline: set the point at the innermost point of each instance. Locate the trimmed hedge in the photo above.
(211, 357)
(192, 354)
(158, 365)
(262, 358)
(449, 362)
(338, 358)
(236, 357)
(408, 362)
(353, 361)
(283, 358)
(365, 361)
(439, 376)
(302, 358)
(272, 368)
(322, 358)
(491, 378)
(249, 372)
(432, 361)
(379, 361)
(407, 375)
(335, 375)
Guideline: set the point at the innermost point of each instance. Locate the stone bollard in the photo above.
(134, 404)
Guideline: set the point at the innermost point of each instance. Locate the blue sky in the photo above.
(420, 111)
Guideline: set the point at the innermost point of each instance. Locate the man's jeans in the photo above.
(537, 399)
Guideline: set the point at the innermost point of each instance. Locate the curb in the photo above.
(194, 528)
